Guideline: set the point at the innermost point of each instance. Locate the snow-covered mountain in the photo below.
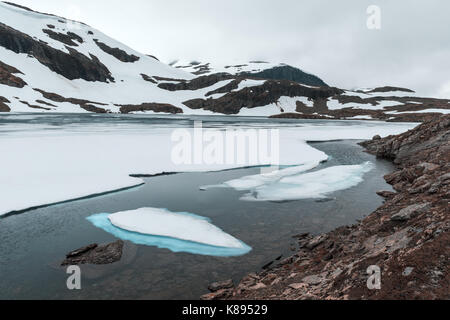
(257, 69)
(52, 64)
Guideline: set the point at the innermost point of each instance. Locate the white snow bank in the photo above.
(443, 111)
(334, 104)
(361, 117)
(248, 83)
(161, 222)
(310, 185)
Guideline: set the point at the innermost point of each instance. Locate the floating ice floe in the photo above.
(291, 184)
(257, 180)
(178, 232)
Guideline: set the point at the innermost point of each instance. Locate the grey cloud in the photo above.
(326, 37)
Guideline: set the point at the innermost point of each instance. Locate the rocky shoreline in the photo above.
(407, 237)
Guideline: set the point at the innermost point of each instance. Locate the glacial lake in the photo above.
(33, 243)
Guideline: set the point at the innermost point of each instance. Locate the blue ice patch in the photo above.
(175, 245)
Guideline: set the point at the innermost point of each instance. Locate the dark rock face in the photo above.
(199, 68)
(405, 105)
(46, 103)
(72, 65)
(407, 237)
(202, 69)
(197, 83)
(390, 89)
(156, 107)
(408, 149)
(95, 254)
(158, 78)
(85, 104)
(18, 6)
(233, 85)
(34, 106)
(153, 57)
(4, 107)
(289, 73)
(67, 39)
(148, 78)
(117, 53)
(91, 108)
(265, 94)
(8, 78)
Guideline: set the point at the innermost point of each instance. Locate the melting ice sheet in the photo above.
(178, 232)
(96, 154)
(291, 184)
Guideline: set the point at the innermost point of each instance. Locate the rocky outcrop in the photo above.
(85, 104)
(155, 107)
(3, 106)
(389, 89)
(286, 72)
(233, 85)
(197, 83)
(72, 65)
(431, 140)
(199, 68)
(95, 254)
(257, 96)
(117, 53)
(8, 78)
(407, 237)
(158, 78)
(67, 39)
(46, 103)
(34, 106)
(148, 78)
(152, 56)
(94, 109)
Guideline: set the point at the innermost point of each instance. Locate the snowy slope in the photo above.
(197, 67)
(259, 69)
(129, 86)
(51, 64)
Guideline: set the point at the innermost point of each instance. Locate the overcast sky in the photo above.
(326, 37)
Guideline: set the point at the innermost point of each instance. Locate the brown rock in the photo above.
(411, 212)
(216, 286)
(95, 254)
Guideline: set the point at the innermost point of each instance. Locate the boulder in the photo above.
(95, 254)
